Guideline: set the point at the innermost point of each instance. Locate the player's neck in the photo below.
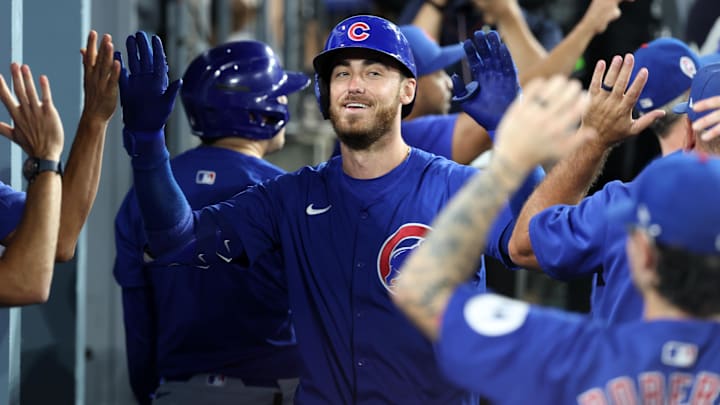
(247, 147)
(657, 307)
(375, 161)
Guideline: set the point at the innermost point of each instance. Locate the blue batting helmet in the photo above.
(232, 90)
(361, 32)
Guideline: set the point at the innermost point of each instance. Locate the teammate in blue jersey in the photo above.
(27, 262)
(429, 126)
(568, 240)
(229, 323)
(488, 343)
(343, 228)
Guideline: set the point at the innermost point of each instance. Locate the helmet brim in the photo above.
(295, 81)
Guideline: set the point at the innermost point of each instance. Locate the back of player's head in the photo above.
(429, 56)
(674, 201)
(671, 66)
(233, 90)
(365, 32)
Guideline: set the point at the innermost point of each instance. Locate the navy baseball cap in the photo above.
(676, 199)
(671, 65)
(429, 56)
(705, 84)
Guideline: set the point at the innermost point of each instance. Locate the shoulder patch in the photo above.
(494, 315)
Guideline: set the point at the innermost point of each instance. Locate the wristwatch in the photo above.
(33, 166)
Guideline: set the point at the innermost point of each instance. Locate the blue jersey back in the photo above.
(223, 318)
(343, 241)
(13, 206)
(576, 240)
(513, 353)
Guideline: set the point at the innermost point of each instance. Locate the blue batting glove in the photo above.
(495, 83)
(145, 96)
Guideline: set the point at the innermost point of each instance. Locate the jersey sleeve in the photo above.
(569, 240)
(13, 206)
(507, 350)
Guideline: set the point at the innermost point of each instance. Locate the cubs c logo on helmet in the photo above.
(359, 31)
(396, 249)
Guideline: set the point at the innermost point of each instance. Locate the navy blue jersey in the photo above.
(225, 318)
(343, 241)
(514, 353)
(431, 133)
(576, 240)
(13, 206)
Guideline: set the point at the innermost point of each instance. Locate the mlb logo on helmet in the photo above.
(216, 380)
(359, 31)
(205, 177)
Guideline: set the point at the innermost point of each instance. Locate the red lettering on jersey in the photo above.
(679, 383)
(706, 390)
(594, 396)
(652, 388)
(358, 31)
(622, 391)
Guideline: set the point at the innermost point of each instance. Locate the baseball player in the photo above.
(589, 244)
(343, 228)
(221, 336)
(24, 226)
(487, 343)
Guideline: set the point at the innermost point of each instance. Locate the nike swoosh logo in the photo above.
(310, 210)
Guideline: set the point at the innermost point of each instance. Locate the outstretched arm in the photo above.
(147, 101)
(610, 116)
(449, 254)
(27, 264)
(82, 172)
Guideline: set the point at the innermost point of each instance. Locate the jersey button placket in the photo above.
(364, 214)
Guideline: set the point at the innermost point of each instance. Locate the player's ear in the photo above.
(407, 90)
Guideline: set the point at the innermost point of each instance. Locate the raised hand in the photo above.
(494, 11)
(146, 98)
(101, 78)
(495, 83)
(37, 126)
(611, 105)
(541, 125)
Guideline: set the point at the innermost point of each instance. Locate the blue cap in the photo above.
(671, 65)
(676, 199)
(706, 84)
(429, 57)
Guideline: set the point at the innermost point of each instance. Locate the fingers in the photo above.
(613, 72)
(159, 61)
(18, 84)
(472, 56)
(46, 93)
(597, 77)
(144, 52)
(482, 47)
(621, 84)
(644, 121)
(31, 93)
(636, 88)
(90, 52)
(132, 55)
(105, 56)
(7, 97)
(6, 130)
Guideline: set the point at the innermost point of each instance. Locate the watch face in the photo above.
(30, 168)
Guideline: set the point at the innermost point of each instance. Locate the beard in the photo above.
(359, 134)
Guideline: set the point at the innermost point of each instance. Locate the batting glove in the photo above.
(495, 83)
(145, 96)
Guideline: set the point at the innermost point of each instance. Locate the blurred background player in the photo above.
(221, 334)
(485, 342)
(590, 245)
(338, 224)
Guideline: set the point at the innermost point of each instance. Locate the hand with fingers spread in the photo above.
(146, 98)
(101, 78)
(610, 110)
(37, 126)
(540, 126)
(495, 83)
(495, 11)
